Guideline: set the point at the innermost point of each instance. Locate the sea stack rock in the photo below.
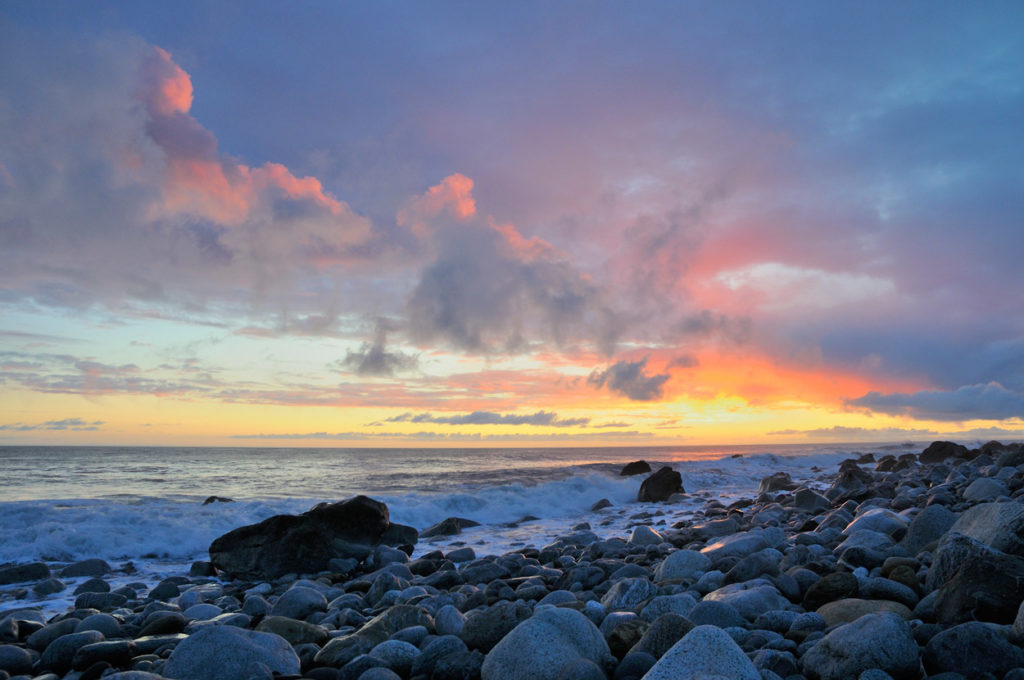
(637, 467)
(661, 485)
(305, 543)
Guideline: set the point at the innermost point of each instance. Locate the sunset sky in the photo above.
(439, 223)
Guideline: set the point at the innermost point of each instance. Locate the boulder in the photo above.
(20, 573)
(940, 451)
(850, 609)
(750, 599)
(542, 646)
(483, 629)
(682, 564)
(835, 586)
(972, 649)
(448, 527)
(736, 545)
(628, 594)
(90, 567)
(851, 483)
(706, 652)
(881, 520)
(928, 526)
(664, 631)
(295, 632)
(997, 525)
(637, 467)
(644, 535)
(226, 653)
(984, 585)
(876, 641)
(304, 543)
(780, 481)
(659, 486)
(985, 489)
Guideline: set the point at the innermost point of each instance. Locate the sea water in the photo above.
(144, 506)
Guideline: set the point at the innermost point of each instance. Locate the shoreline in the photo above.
(773, 583)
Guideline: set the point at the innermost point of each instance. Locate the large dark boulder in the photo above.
(637, 467)
(448, 527)
(661, 485)
(940, 451)
(780, 481)
(305, 543)
(975, 582)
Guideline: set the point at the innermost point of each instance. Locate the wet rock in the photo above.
(659, 486)
(15, 660)
(601, 505)
(397, 655)
(116, 653)
(928, 526)
(341, 650)
(90, 567)
(750, 599)
(835, 586)
(644, 535)
(736, 545)
(780, 481)
(985, 489)
(540, 647)
(882, 641)
(664, 632)
(435, 652)
(59, 654)
(22, 573)
(448, 527)
(704, 652)
(997, 525)
(295, 632)
(303, 543)
(628, 594)
(638, 467)
(625, 635)
(712, 613)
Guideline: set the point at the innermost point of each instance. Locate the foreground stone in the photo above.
(659, 486)
(706, 652)
(876, 641)
(228, 653)
(541, 647)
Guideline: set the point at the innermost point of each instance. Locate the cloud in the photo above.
(842, 433)
(373, 359)
(448, 436)
(683, 361)
(73, 424)
(629, 379)
(540, 418)
(491, 290)
(113, 191)
(990, 401)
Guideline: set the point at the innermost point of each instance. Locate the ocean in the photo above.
(145, 505)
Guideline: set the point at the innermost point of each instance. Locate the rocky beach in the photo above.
(891, 566)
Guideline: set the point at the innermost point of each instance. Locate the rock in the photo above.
(664, 632)
(972, 649)
(706, 652)
(829, 588)
(59, 654)
(341, 650)
(42, 638)
(22, 573)
(540, 647)
(434, 653)
(379, 673)
(985, 489)
(395, 618)
(659, 486)
(48, 587)
(217, 499)
(465, 554)
(940, 451)
(750, 599)
(668, 604)
(638, 467)
(449, 621)
(634, 666)
(101, 623)
(628, 594)
(299, 602)
(866, 548)
(400, 536)
(226, 653)
(764, 561)
(117, 653)
(601, 505)
(303, 543)
(448, 527)
(736, 545)
(780, 481)
(485, 628)
(682, 564)
(644, 535)
(159, 623)
(15, 660)
(928, 526)
(851, 483)
(90, 567)
(712, 613)
(93, 585)
(809, 500)
(295, 632)
(983, 590)
(882, 641)
(881, 520)
(1017, 631)
(997, 525)
(625, 635)
(396, 655)
(851, 609)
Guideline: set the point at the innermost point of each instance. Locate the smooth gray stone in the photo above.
(704, 652)
(227, 653)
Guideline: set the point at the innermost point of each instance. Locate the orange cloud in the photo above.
(453, 196)
(170, 87)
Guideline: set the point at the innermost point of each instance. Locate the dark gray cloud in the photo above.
(540, 418)
(630, 379)
(990, 401)
(684, 361)
(840, 432)
(373, 358)
(72, 424)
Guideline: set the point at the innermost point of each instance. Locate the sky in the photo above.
(531, 223)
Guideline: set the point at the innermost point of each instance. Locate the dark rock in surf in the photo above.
(20, 573)
(218, 499)
(637, 467)
(780, 481)
(448, 527)
(90, 567)
(660, 485)
(940, 451)
(601, 505)
(305, 543)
